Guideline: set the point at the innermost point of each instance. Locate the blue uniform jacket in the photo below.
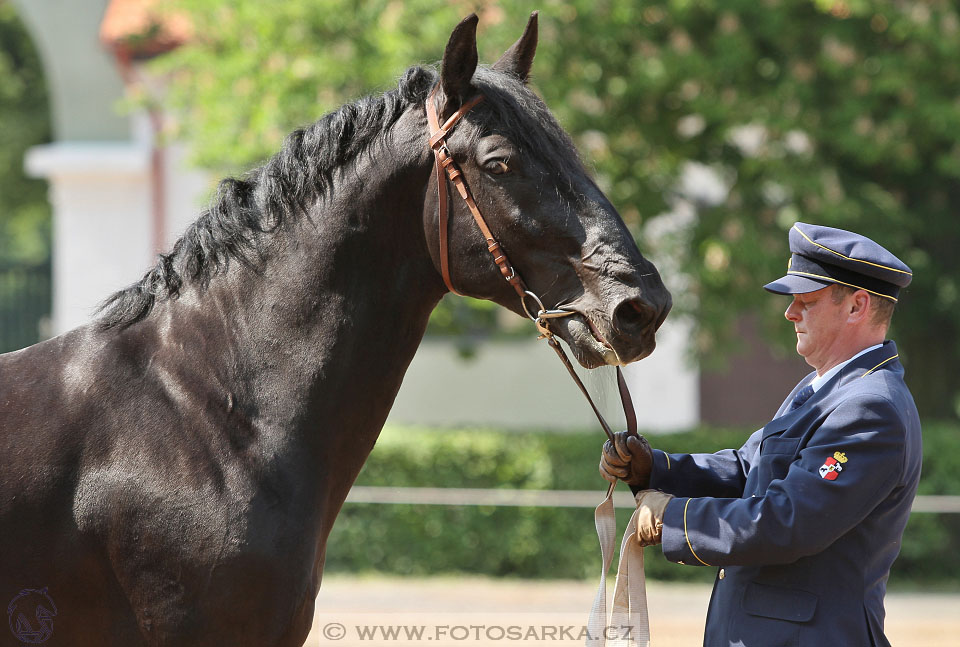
(807, 517)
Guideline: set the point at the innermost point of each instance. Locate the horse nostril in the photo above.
(632, 316)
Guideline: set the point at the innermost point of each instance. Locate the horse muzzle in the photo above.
(625, 334)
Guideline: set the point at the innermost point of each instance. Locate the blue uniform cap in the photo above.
(821, 256)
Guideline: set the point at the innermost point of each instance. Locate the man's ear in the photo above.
(860, 302)
(459, 64)
(519, 58)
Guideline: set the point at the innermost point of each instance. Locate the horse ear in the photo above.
(519, 58)
(460, 61)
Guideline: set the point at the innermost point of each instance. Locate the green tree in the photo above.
(852, 108)
(24, 122)
(839, 112)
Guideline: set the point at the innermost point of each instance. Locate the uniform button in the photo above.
(722, 574)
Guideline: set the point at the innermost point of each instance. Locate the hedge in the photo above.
(533, 542)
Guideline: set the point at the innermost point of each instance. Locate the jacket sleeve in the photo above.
(722, 474)
(805, 512)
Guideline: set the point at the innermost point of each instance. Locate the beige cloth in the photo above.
(629, 624)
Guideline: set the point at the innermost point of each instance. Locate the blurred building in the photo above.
(120, 196)
(117, 196)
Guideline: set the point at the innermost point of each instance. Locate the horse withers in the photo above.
(170, 472)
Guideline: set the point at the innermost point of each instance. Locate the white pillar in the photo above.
(101, 199)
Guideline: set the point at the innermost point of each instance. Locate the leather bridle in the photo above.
(541, 317)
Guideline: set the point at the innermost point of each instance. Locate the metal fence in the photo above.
(25, 301)
(942, 504)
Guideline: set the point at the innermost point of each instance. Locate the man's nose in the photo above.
(792, 312)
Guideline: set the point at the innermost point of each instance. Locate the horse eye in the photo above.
(498, 167)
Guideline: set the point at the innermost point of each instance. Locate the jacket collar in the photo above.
(885, 358)
(879, 359)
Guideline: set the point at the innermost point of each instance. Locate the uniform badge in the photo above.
(832, 467)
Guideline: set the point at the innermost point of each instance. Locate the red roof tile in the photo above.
(141, 28)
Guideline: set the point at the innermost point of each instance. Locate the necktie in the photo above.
(802, 396)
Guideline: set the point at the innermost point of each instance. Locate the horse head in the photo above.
(563, 235)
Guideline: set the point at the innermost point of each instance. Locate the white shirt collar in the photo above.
(820, 380)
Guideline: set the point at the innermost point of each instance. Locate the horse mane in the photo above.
(265, 198)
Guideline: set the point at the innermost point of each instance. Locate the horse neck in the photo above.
(315, 343)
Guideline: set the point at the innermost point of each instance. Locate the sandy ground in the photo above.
(476, 611)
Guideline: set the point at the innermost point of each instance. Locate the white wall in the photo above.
(665, 387)
(101, 221)
(523, 385)
(187, 192)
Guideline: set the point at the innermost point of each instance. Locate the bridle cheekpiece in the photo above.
(444, 163)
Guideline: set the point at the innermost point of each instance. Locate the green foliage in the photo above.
(24, 122)
(851, 105)
(561, 542)
(931, 551)
(503, 541)
(854, 108)
(258, 70)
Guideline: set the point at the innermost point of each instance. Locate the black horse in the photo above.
(170, 472)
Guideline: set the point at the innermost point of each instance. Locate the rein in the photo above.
(630, 600)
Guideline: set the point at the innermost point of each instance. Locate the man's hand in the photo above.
(628, 458)
(651, 504)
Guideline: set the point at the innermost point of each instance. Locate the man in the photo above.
(805, 520)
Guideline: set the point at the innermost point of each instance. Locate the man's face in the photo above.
(819, 323)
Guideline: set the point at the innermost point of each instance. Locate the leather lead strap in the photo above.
(629, 620)
(628, 409)
(555, 345)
